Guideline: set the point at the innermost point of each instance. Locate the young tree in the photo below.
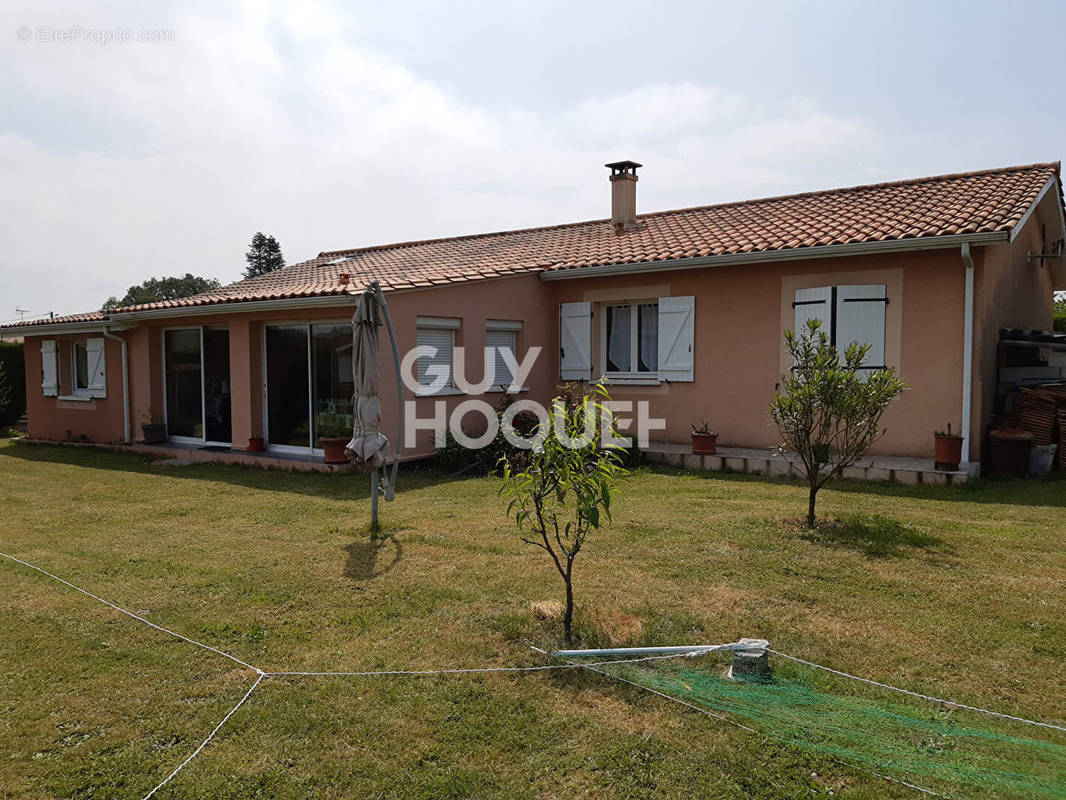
(830, 410)
(561, 491)
(263, 256)
(155, 289)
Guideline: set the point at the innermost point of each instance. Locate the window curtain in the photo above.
(618, 331)
(648, 337)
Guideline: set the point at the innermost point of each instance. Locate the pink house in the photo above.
(684, 308)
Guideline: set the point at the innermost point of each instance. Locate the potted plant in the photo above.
(704, 439)
(256, 444)
(153, 431)
(947, 450)
(332, 438)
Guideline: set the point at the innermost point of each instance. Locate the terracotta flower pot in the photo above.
(948, 452)
(256, 445)
(333, 449)
(704, 444)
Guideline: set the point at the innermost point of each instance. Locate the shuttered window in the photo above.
(80, 365)
(428, 368)
(860, 317)
(500, 341)
(631, 338)
(49, 368)
(848, 314)
(575, 341)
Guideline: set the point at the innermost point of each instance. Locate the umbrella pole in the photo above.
(374, 525)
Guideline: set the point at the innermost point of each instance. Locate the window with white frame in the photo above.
(500, 338)
(631, 338)
(438, 364)
(79, 363)
(648, 340)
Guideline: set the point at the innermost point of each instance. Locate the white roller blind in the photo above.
(49, 368)
(444, 340)
(676, 329)
(97, 361)
(860, 317)
(500, 341)
(575, 341)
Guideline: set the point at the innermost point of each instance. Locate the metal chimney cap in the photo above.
(623, 168)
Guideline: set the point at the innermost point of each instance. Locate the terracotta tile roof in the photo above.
(973, 202)
(69, 319)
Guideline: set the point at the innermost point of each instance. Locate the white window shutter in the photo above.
(444, 340)
(575, 341)
(676, 331)
(49, 368)
(860, 317)
(813, 304)
(499, 341)
(97, 359)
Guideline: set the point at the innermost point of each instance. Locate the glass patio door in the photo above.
(184, 384)
(218, 424)
(197, 386)
(288, 418)
(309, 384)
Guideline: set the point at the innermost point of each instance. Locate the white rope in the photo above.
(919, 695)
(135, 616)
(210, 736)
(467, 670)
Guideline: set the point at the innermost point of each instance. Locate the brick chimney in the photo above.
(624, 194)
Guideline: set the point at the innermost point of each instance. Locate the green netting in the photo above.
(954, 753)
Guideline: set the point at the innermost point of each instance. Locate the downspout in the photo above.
(967, 352)
(125, 385)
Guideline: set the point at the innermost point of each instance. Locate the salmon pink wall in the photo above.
(741, 313)
(99, 419)
(1010, 292)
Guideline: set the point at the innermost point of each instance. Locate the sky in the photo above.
(338, 125)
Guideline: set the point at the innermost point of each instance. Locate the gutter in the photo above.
(967, 351)
(337, 300)
(125, 383)
(69, 327)
(791, 254)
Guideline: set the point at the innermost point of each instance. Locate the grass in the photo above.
(956, 592)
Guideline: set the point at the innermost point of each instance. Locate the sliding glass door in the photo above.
(288, 422)
(218, 423)
(196, 385)
(184, 384)
(309, 384)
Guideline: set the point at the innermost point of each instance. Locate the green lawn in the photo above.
(958, 592)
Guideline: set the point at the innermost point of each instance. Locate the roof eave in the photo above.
(43, 329)
(236, 306)
(790, 254)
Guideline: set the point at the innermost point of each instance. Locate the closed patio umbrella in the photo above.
(368, 444)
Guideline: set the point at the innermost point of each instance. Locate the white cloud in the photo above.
(261, 118)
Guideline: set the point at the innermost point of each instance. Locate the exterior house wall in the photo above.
(1009, 292)
(741, 313)
(98, 419)
(523, 298)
